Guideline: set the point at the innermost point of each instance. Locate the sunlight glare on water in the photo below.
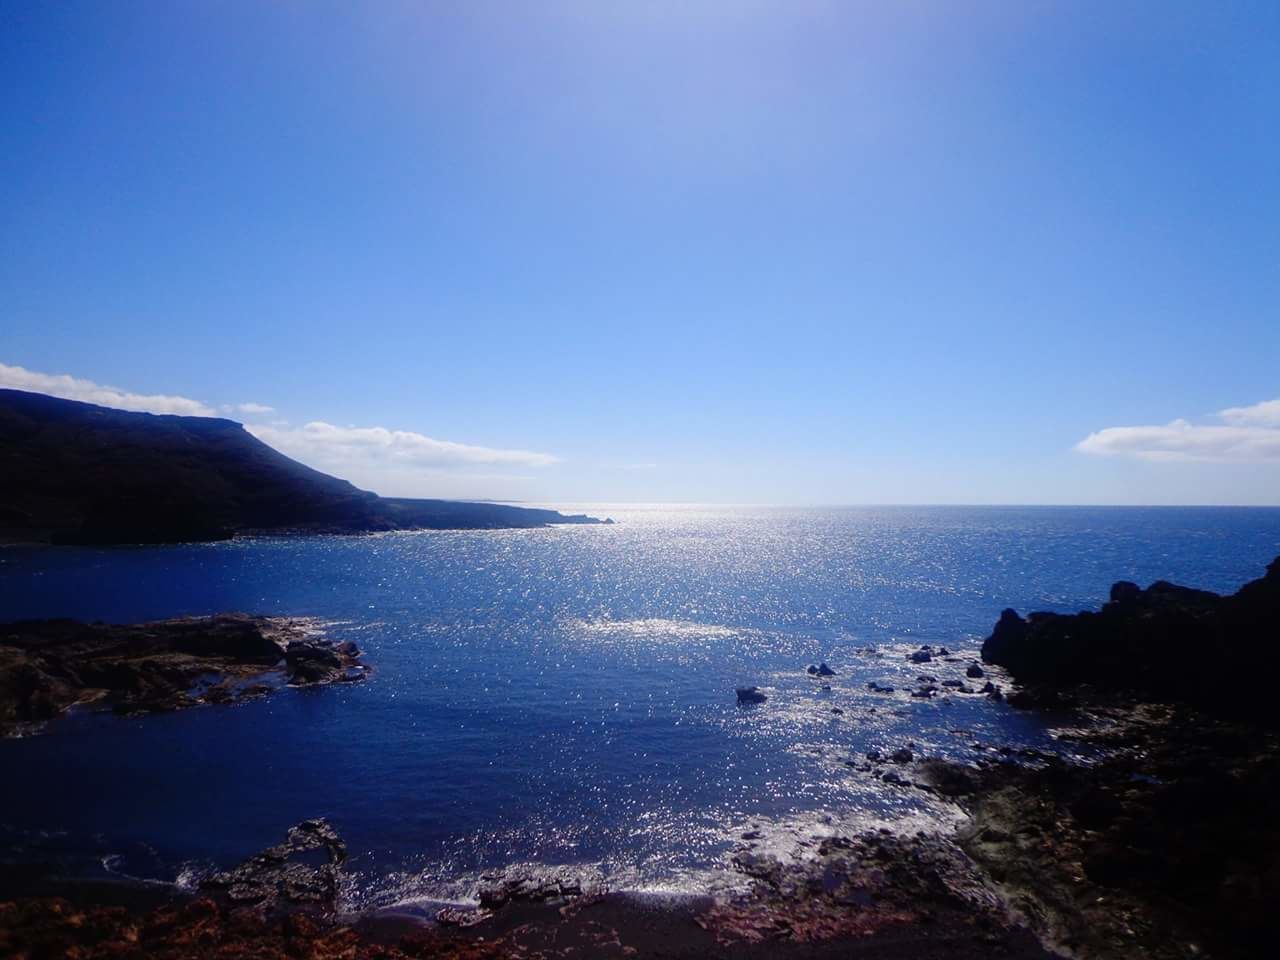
(566, 696)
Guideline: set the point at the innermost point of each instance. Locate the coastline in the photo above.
(1048, 859)
(1013, 880)
(1160, 844)
(118, 920)
(50, 667)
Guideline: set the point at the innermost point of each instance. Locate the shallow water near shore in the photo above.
(566, 696)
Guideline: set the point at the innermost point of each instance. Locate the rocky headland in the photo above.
(1166, 643)
(1166, 846)
(76, 473)
(49, 666)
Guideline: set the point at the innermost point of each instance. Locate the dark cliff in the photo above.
(73, 472)
(1166, 642)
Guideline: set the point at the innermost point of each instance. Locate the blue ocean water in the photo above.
(566, 696)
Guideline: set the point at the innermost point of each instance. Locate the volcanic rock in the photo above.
(282, 877)
(1143, 640)
(47, 666)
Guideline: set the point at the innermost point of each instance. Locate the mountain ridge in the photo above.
(74, 472)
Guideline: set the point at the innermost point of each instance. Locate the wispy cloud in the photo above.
(319, 443)
(248, 409)
(1265, 414)
(1242, 435)
(73, 388)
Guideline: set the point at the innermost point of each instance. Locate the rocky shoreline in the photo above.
(1163, 845)
(49, 666)
(1165, 848)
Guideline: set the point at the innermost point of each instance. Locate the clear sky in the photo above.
(740, 252)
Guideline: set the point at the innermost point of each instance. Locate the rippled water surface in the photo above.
(566, 696)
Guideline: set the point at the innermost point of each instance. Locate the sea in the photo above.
(565, 697)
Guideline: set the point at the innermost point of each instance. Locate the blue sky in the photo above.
(745, 252)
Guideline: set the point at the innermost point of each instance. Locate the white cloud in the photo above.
(326, 446)
(1248, 435)
(248, 409)
(392, 462)
(1265, 414)
(73, 388)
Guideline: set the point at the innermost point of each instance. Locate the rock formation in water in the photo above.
(287, 877)
(73, 472)
(47, 666)
(1164, 643)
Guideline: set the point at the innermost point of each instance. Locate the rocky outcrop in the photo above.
(527, 885)
(1166, 847)
(874, 894)
(312, 661)
(1165, 642)
(47, 666)
(285, 877)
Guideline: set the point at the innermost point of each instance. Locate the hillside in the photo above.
(73, 472)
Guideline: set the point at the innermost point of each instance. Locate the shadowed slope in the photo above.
(73, 472)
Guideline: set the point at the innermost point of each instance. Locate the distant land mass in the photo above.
(73, 472)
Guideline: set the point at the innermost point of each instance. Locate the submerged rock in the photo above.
(751, 695)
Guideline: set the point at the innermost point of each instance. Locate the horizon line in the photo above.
(868, 505)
